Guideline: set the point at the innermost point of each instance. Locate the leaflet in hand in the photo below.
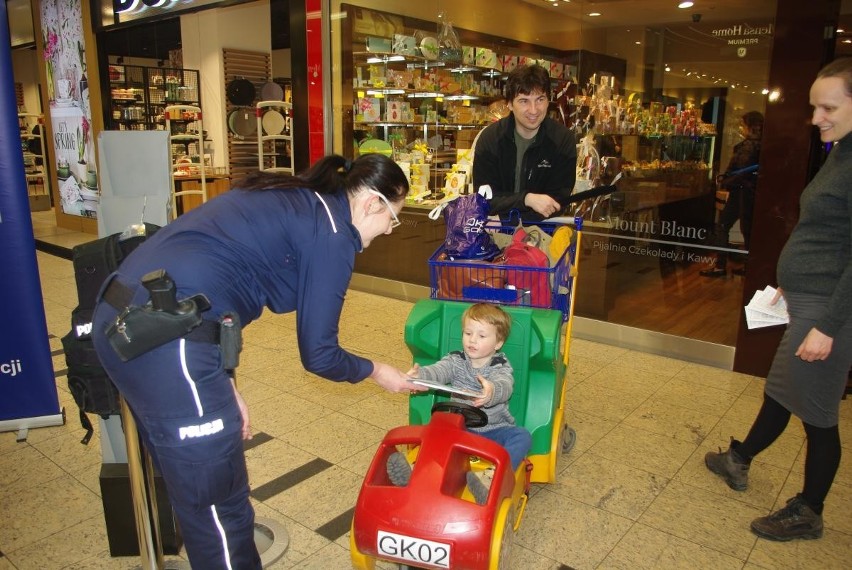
(761, 313)
(447, 388)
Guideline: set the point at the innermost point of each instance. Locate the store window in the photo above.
(671, 99)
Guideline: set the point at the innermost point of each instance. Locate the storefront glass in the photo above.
(651, 91)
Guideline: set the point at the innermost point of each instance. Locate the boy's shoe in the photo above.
(479, 484)
(399, 469)
(796, 520)
(730, 466)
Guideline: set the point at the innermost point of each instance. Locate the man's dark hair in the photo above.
(525, 79)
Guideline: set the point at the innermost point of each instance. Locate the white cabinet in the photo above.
(274, 136)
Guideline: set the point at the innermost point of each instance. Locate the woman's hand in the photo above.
(487, 392)
(779, 294)
(241, 404)
(393, 380)
(816, 346)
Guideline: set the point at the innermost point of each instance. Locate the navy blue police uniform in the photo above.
(285, 250)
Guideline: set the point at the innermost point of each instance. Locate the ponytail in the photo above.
(334, 173)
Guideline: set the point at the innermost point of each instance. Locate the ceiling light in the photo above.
(684, 5)
(668, 68)
(764, 91)
(840, 30)
(847, 41)
(594, 14)
(774, 95)
(385, 91)
(385, 58)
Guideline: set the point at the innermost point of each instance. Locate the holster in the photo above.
(230, 340)
(136, 330)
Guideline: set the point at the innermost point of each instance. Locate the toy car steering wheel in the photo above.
(473, 416)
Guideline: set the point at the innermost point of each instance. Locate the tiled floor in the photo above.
(633, 493)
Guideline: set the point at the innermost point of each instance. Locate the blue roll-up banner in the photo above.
(28, 397)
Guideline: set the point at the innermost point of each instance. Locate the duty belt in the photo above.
(119, 296)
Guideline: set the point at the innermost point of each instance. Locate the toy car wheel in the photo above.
(501, 543)
(473, 416)
(569, 438)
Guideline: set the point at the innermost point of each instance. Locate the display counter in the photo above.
(647, 227)
(216, 184)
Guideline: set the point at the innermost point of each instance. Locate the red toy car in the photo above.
(434, 522)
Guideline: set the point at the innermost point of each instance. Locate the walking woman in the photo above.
(810, 370)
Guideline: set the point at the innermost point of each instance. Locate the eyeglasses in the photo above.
(395, 223)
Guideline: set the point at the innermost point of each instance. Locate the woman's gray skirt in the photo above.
(810, 390)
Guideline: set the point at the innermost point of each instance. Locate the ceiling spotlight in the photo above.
(846, 42)
(668, 68)
(684, 5)
(594, 14)
(774, 95)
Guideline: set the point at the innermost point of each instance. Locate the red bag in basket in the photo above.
(535, 280)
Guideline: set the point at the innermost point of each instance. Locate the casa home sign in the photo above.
(742, 34)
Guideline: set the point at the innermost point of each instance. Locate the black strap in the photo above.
(207, 331)
(119, 296)
(87, 425)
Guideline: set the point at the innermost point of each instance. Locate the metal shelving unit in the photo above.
(183, 123)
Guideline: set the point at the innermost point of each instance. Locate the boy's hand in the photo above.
(414, 371)
(487, 392)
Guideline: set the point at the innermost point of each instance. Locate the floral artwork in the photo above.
(64, 53)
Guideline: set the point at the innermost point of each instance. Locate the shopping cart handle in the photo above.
(592, 193)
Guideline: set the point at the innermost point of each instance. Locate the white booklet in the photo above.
(761, 313)
(447, 388)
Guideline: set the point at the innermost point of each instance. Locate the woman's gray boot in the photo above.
(730, 466)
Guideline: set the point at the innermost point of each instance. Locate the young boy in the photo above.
(480, 368)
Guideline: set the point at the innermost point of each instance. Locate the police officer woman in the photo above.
(286, 243)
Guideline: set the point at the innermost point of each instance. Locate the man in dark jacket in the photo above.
(528, 159)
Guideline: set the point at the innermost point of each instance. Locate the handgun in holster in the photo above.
(137, 330)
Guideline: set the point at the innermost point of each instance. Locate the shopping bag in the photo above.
(465, 218)
(534, 278)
